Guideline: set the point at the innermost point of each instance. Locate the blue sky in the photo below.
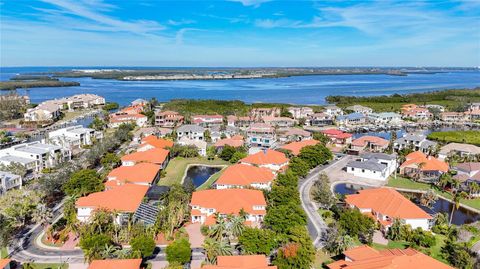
(239, 33)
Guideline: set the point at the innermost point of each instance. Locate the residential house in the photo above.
(412, 111)
(191, 131)
(124, 200)
(139, 102)
(267, 158)
(367, 257)
(351, 119)
(321, 119)
(153, 142)
(240, 122)
(453, 117)
(206, 203)
(73, 137)
(143, 132)
(459, 149)
(243, 176)
(332, 110)
(241, 262)
(385, 118)
(157, 156)
(436, 107)
(300, 112)
(43, 155)
(31, 165)
(468, 173)
(261, 135)
(207, 121)
(337, 137)
(293, 134)
(116, 264)
(80, 101)
(417, 142)
(279, 121)
(168, 119)
(119, 118)
(199, 144)
(360, 109)
(235, 141)
(424, 168)
(9, 181)
(296, 147)
(386, 204)
(473, 106)
(473, 115)
(378, 166)
(146, 174)
(370, 143)
(258, 113)
(44, 112)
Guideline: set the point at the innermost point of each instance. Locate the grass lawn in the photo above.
(469, 137)
(176, 168)
(49, 265)
(211, 180)
(406, 183)
(3, 253)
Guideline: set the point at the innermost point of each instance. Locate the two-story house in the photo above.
(191, 131)
(261, 135)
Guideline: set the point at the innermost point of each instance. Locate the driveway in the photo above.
(194, 235)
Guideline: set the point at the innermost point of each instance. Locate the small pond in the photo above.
(198, 174)
(461, 216)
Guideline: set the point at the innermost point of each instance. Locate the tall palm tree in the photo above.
(428, 198)
(474, 188)
(109, 251)
(236, 226)
(219, 229)
(444, 180)
(214, 248)
(457, 197)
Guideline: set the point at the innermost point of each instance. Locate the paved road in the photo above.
(315, 224)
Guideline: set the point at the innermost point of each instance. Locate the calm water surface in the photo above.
(199, 174)
(297, 90)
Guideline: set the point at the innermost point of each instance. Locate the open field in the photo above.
(468, 137)
(176, 168)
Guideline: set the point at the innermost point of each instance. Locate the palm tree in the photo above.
(444, 180)
(428, 198)
(214, 248)
(123, 253)
(219, 229)
(394, 232)
(474, 188)
(457, 197)
(236, 226)
(109, 251)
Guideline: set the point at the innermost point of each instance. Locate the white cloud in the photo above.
(254, 3)
(180, 22)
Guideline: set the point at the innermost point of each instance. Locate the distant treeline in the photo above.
(190, 107)
(452, 99)
(12, 85)
(33, 77)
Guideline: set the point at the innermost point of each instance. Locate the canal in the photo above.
(461, 216)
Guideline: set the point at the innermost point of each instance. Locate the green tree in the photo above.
(92, 245)
(83, 182)
(179, 251)
(457, 197)
(283, 217)
(6, 232)
(356, 224)
(110, 160)
(299, 166)
(97, 124)
(315, 155)
(211, 152)
(257, 241)
(14, 168)
(321, 192)
(297, 252)
(214, 248)
(175, 210)
(227, 152)
(144, 244)
(237, 156)
(321, 137)
(19, 205)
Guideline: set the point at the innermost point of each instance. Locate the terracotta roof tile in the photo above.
(429, 163)
(157, 142)
(155, 155)
(364, 140)
(244, 175)
(266, 157)
(124, 198)
(388, 202)
(116, 264)
(241, 262)
(4, 263)
(229, 141)
(229, 201)
(138, 173)
(296, 147)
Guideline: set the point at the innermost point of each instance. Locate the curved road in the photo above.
(315, 224)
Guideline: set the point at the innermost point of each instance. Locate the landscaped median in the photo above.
(410, 185)
(176, 169)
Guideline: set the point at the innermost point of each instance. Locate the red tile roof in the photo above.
(241, 262)
(296, 147)
(4, 263)
(244, 175)
(155, 155)
(364, 140)
(234, 142)
(138, 173)
(116, 264)
(266, 157)
(230, 201)
(418, 159)
(124, 198)
(157, 142)
(388, 202)
(368, 258)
